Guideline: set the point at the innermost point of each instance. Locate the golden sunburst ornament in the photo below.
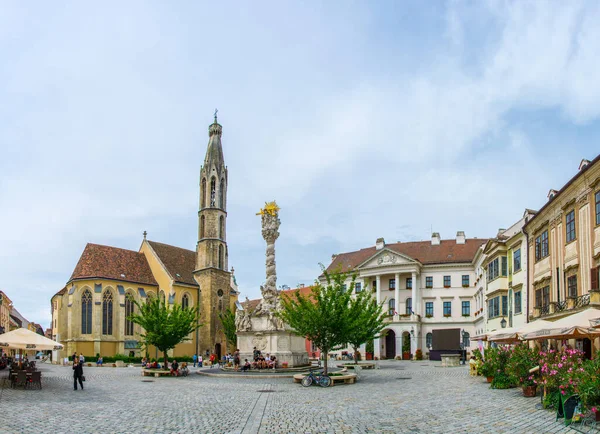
(271, 208)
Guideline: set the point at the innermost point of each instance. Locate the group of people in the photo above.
(260, 361)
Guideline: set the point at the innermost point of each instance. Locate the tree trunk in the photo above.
(355, 355)
(324, 353)
(166, 365)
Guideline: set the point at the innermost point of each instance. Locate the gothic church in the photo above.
(89, 315)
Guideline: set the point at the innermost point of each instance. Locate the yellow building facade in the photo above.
(5, 308)
(89, 315)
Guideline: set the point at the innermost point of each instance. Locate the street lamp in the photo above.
(503, 323)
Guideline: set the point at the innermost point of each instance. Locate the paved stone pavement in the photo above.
(401, 397)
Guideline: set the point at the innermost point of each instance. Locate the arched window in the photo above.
(408, 306)
(162, 297)
(222, 194)
(86, 313)
(107, 313)
(201, 227)
(185, 301)
(128, 311)
(220, 257)
(428, 340)
(149, 297)
(222, 227)
(213, 192)
(466, 340)
(203, 194)
(391, 307)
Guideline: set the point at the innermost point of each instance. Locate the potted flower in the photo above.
(419, 354)
(588, 385)
(522, 359)
(428, 315)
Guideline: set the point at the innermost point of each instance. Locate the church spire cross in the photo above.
(216, 111)
(145, 233)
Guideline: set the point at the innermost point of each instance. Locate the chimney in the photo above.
(301, 285)
(500, 232)
(333, 257)
(584, 163)
(552, 193)
(435, 239)
(379, 244)
(460, 237)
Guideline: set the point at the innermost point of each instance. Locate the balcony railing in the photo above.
(544, 310)
(581, 301)
(559, 306)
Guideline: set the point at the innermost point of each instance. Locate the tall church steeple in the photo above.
(211, 272)
(212, 244)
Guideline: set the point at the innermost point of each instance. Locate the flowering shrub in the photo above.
(588, 383)
(521, 361)
(560, 370)
(502, 379)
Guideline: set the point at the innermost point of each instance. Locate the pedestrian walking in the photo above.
(194, 359)
(236, 359)
(77, 373)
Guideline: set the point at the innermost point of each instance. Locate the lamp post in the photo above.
(503, 323)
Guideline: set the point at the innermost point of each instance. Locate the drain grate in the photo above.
(404, 378)
(265, 391)
(147, 381)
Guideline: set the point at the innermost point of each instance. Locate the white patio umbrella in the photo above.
(515, 333)
(570, 327)
(23, 339)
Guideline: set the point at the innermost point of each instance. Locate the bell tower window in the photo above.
(222, 194)
(213, 186)
(202, 227)
(203, 194)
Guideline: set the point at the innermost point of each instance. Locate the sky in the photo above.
(362, 119)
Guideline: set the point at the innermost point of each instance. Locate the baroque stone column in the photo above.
(397, 294)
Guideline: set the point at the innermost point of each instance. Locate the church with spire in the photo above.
(89, 315)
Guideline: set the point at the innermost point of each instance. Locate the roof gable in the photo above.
(447, 252)
(386, 257)
(180, 263)
(107, 262)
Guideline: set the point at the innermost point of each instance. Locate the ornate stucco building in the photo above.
(505, 270)
(564, 249)
(5, 310)
(89, 315)
(425, 286)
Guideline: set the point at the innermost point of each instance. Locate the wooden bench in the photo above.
(155, 372)
(345, 379)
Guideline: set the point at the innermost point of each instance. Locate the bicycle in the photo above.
(321, 379)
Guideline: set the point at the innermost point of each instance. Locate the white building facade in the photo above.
(424, 286)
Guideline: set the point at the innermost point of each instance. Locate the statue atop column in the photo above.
(270, 232)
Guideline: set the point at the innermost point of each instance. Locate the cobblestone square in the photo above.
(400, 397)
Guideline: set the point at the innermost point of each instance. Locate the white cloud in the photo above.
(356, 122)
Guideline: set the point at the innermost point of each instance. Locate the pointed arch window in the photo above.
(86, 313)
(213, 192)
(128, 311)
(220, 257)
(222, 194)
(107, 313)
(222, 227)
(203, 194)
(185, 301)
(201, 227)
(162, 297)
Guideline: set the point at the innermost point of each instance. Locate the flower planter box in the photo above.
(529, 391)
(369, 356)
(489, 379)
(405, 356)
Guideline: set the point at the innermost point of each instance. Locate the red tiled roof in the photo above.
(304, 291)
(61, 292)
(113, 263)
(447, 252)
(180, 263)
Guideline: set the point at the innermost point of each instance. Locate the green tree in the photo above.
(322, 316)
(164, 326)
(367, 320)
(228, 320)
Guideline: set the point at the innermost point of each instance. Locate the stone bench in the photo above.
(155, 372)
(345, 379)
(450, 360)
